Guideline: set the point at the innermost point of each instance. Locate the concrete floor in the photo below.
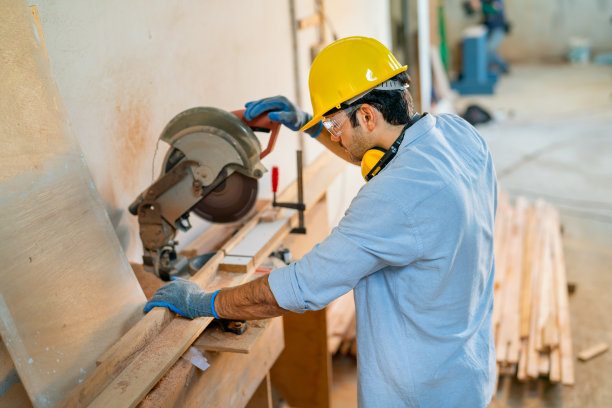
(552, 138)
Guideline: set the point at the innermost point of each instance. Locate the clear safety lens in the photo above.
(333, 123)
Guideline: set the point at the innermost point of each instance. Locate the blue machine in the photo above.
(475, 77)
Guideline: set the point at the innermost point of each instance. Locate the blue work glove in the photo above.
(282, 110)
(185, 298)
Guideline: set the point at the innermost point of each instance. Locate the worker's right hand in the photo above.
(183, 297)
(280, 109)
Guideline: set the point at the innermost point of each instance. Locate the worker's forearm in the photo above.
(253, 300)
(325, 139)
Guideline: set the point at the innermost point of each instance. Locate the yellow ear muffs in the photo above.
(375, 159)
(370, 162)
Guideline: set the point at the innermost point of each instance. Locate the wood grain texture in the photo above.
(67, 291)
(215, 339)
(232, 263)
(252, 244)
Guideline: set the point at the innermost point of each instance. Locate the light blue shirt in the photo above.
(416, 244)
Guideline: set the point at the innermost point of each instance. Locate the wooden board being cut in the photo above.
(215, 339)
(254, 242)
(67, 291)
(233, 263)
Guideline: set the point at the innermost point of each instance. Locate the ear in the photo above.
(369, 116)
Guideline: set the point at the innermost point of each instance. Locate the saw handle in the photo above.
(262, 123)
(274, 179)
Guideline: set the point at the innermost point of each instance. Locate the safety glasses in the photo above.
(333, 123)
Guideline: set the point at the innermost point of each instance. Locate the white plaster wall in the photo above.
(124, 69)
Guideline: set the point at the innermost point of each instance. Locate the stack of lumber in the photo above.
(531, 313)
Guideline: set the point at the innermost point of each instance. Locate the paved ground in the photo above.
(553, 139)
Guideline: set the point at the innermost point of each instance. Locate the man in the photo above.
(497, 28)
(416, 243)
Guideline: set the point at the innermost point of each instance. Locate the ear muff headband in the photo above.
(375, 159)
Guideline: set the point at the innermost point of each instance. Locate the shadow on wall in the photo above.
(115, 216)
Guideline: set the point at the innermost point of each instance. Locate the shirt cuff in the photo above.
(282, 284)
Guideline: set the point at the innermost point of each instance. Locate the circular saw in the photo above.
(211, 169)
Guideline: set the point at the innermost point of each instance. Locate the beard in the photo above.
(359, 145)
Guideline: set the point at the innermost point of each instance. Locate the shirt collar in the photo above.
(424, 123)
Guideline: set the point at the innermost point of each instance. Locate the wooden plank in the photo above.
(215, 339)
(310, 21)
(170, 389)
(253, 243)
(232, 263)
(67, 291)
(125, 359)
(555, 366)
(526, 280)
(593, 351)
(565, 341)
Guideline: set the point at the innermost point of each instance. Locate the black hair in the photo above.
(395, 106)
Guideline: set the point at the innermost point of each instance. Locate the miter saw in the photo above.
(211, 168)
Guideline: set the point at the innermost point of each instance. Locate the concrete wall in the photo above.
(541, 29)
(124, 69)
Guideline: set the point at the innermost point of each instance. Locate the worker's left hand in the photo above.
(183, 297)
(282, 110)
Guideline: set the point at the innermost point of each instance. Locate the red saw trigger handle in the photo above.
(261, 123)
(274, 179)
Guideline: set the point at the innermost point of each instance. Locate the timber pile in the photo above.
(531, 311)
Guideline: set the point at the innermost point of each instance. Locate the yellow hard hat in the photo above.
(346, 68)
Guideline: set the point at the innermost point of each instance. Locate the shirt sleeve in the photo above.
(374, 233)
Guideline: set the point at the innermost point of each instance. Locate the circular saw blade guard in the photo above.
(228, 156)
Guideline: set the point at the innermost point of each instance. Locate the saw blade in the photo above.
(229, 201)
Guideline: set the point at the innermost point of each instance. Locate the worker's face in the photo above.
(353, 139)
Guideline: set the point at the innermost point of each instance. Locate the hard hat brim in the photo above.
(318, 116)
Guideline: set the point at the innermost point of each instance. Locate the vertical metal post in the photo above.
(296, 64)
(300, 187)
